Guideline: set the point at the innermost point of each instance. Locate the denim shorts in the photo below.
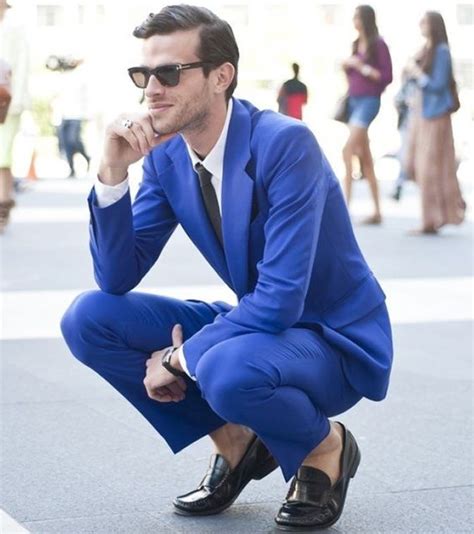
(363, 110)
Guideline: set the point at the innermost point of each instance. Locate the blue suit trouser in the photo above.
(284, 387)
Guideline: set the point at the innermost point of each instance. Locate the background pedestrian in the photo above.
(431, 157)
(293, 95)
(369, 71)
(15, 55)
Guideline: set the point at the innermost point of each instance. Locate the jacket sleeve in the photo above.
(296, 180)
(126, 241)
(384, 63)
(440, 77)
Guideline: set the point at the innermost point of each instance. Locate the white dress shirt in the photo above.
(107, 195)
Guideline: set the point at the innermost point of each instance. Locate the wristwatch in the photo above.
(166, 362)
(366, 70)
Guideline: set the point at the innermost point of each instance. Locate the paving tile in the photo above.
(423, 512)
(76, 458)
(49, 362)
(103, 524)
(64, 459)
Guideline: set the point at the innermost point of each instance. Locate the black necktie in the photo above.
(210, 200)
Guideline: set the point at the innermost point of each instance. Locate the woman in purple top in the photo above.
(369, 71)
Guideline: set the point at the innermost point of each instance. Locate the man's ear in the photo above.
(223, 76)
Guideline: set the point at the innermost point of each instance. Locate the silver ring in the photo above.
(127, 123)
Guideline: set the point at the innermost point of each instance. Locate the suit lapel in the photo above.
(237, 194)
(185, 196)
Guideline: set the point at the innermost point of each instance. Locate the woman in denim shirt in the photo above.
(431, 157)
(369, 71)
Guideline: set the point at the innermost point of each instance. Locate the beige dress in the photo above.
(431, 162)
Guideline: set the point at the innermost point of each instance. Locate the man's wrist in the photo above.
(112, 175)
(168, 365)
(175, 362)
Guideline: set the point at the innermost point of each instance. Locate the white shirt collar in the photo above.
(214, 161)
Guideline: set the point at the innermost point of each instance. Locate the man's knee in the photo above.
(229, 382)
(82, 322)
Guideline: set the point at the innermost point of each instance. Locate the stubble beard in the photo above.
(189, 119)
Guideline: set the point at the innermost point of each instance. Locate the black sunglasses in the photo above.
(167, 75)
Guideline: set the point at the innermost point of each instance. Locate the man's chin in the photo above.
(163, 129)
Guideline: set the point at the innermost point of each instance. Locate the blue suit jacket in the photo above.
(436, 87)
(289, 251)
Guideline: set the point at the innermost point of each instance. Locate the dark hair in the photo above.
(217, 40)
(371, 32)
(296, 69)
(437, 35)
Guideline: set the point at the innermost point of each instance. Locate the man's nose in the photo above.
(154, 87)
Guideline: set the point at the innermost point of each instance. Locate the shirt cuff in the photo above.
(182, 362)
(106, 195)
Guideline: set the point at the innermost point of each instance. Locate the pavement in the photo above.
(76, 458)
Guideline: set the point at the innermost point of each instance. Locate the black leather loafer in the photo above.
(221, 485)
(312, 503)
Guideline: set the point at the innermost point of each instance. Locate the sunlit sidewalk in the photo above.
(77, 458)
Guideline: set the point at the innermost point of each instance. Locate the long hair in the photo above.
(217, 41)
(437, 35)
(371, 32)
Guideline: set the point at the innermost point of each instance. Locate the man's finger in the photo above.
(154, 138)
(161, 394)
(163, 391)
(177, 335)
(130, 137)
(166, 394)
(163, 398)
(182, 383)
(137, 130)
(158, 139)
(146, 125)
(176, 390)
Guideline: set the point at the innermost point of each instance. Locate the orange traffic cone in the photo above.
(32, 169)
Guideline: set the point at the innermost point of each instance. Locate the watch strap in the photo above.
(166, 362)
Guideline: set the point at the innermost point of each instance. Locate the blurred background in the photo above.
(75, 457)
(271, 35)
